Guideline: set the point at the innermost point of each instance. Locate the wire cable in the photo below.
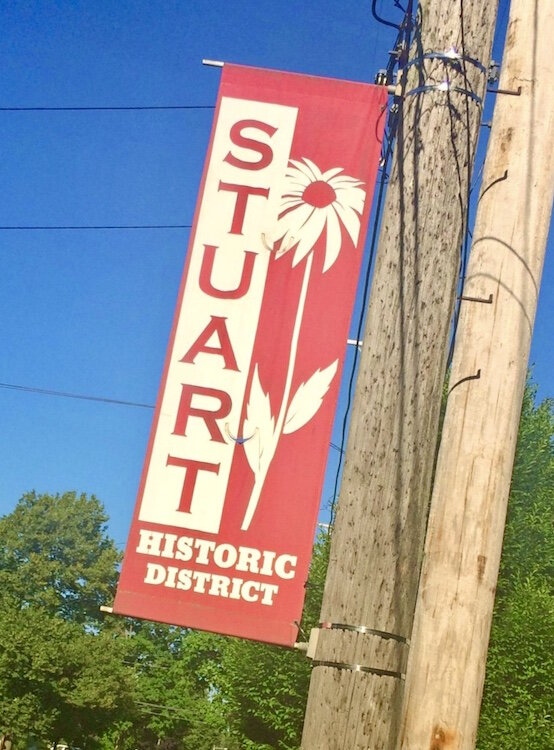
(98, 399)
(403, 40)
(156, 709)
(365, 294)
(464, 250)
(108, 109)
(79, 396)
(379, 18)
(87, 227)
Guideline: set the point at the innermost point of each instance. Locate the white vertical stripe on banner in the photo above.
(192, 447)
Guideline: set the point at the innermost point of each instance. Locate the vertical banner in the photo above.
(228, 500)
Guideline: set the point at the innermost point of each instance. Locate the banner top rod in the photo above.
(219, 64)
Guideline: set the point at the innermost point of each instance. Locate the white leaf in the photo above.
(259, 423)
(308, 398)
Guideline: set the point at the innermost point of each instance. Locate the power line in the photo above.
(93, 226)
(365, 294)
(156, 709)
(80, 396)
(403, 40)
(86, 397)
(464, 250)
(107, 109)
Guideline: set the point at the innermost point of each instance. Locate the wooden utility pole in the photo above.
(446, 667)
(356, 686)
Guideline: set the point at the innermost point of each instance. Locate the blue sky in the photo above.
(90, 312)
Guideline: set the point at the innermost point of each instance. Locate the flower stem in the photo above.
(269, 450)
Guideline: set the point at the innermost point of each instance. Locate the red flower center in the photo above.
(319, 194)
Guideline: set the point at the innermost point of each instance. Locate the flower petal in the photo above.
(290, 201)
(305, 170)
(331, 173)
(308, 234)
(351, 198)
(296, 177)
(334, 239)
(303, 248)
(296, 194)
(314, 168)
(343, 181)
(290, 221)
(294, 187)
(350, 219)
(312, 228)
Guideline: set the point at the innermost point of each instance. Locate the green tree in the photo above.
(62, 671)
(264, 688)
(519, 694)
(56, 554)
(174, 690)
(66, 673)
(58, 681)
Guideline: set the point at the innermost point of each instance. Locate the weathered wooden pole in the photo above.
(360, 657)
(446, 666)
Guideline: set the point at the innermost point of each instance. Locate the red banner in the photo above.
(227, 506)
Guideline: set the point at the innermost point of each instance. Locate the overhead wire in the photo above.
(87, 227)
(404, 32)
(365, 293)
(102, 227)
(98, 399)
(397, 57)
(109, 109)
(380, 19)
(464, 251)
(79, 396)
(465, 246)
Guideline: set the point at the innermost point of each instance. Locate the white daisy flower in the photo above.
(315, 201)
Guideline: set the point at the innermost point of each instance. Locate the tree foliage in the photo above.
(56, 680)
(62, 675)
(116, 684)
(519, 693)
(56, 554)
(266, 687)
(174, 692)
(66, 673)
